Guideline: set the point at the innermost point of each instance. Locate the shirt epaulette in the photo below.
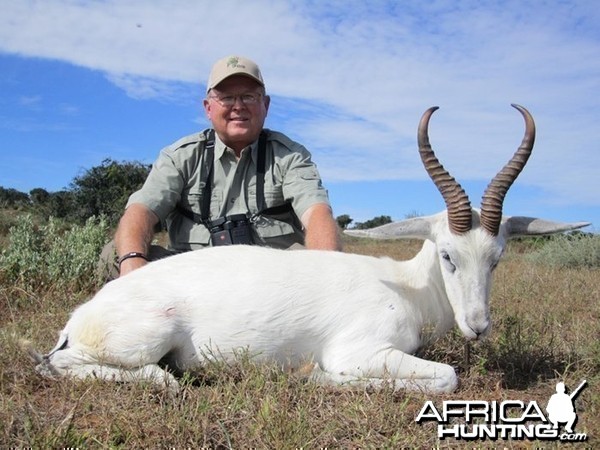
(283, 140)
(191, 139)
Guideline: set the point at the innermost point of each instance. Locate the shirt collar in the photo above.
(221, 148)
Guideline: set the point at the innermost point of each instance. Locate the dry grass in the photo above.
(545, 330)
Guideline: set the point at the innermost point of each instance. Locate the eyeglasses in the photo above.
(229, 100)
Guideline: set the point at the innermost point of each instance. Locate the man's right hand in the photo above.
(134, 234)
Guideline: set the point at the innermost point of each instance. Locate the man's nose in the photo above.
(237, 102)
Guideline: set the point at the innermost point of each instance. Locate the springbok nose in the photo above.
(480, 330)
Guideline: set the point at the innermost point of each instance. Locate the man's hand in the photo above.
(321, 230)
(130, 264)
(134, 234)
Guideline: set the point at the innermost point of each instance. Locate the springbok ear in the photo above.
(417, 228)
(531, 226)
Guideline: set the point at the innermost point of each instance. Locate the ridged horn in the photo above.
(457, 201)
(493, 197)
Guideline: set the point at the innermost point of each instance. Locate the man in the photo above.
(268, 189)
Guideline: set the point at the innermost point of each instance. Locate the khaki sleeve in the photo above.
(162, 189)
(302, 182)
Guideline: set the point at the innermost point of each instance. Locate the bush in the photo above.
(569, 251)
(104, 189)
(374, 222)
(11, 198)
(48, 255)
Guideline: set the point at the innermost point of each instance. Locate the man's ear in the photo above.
(207, 108)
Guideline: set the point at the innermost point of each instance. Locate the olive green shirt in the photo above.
(179, 174)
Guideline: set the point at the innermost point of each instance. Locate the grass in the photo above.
(569, 251)
(545, 330)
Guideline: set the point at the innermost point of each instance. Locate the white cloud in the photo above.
(358, 75)
(143, 88)
(31, 102)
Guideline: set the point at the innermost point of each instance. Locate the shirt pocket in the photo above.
(273, 196)
(192, 200)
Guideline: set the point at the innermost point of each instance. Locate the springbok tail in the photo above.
(43, 366)
(27, 347)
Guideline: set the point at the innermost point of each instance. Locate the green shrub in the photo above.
(569, 251)
(49, 255)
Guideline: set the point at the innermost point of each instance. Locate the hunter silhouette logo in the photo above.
(508, 419)
(561, 408)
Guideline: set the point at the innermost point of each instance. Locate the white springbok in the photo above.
(358, 318)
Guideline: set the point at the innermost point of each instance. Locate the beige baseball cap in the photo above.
(233, 65)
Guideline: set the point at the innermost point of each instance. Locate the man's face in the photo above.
(239, 124)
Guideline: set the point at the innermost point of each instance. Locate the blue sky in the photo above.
(81, 81)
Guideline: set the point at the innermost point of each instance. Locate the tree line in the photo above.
(103, 190)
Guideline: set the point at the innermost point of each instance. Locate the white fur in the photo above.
(358, 318)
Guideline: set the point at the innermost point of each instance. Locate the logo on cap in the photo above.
(234, 62)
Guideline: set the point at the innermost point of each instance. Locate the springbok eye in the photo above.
(446, 257)
(497, 261)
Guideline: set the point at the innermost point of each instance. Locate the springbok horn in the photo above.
(457, 201)
(493, 197)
